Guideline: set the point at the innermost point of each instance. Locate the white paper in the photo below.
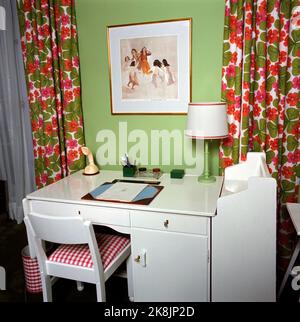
(122, 191)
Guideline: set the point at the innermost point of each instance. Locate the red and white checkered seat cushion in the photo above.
(109, 246)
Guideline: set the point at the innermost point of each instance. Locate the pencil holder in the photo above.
(129, 171)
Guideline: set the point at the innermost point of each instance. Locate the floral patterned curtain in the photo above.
(261, 82)
(50, 52)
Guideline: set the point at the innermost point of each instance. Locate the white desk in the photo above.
(294, 211)
(171, 236)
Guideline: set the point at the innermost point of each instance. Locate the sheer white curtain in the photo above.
(16, 152)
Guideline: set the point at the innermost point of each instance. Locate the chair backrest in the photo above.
(62, 230)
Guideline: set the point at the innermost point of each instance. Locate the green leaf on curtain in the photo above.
(263, 36)
(260, 61)
(269, 156)
(55, 167)
(263, 25)
(273, 53)
(292, 114)
(79, 133)
(226, 32)
(43, 56)
(272, 129)
(284, 159)
(287, 185)
(233, 7)
(76, 82)
(285, 8)
(76, 165)
(53, 140)
(296, 67)
(226, 150)
(261, 49)
(69, 10)
(288, 87)
(226, 46)
(275, 102)
(69, 107)
(295, 49)
(275, 175)
(296, 35)
(226, 58)
(68, 135)
(292, 143)
(277, 24)
(81, 141)
(291, 45)
(245, 123)
(66, 54)
(270, 5)
(66, 44)
(247, 47)
(256, 146)
(270, 81)
(44, 81)
(74, 73)
(257, 76)
(70, 117)
(39, 165)
(238, 81)
(291, 125)
(230, 81)
(49, 172)
(244, 149)
(297, 170)
(262, 124)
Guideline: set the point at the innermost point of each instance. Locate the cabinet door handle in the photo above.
(138, 258)
(141, 259)
(166, 223)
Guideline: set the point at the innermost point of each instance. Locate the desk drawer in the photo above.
(54, 208)
(169, 222)
(105, 215)
(96, 214)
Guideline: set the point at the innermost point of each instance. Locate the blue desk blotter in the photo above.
(146, 195)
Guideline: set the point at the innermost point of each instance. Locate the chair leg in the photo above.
(101, 295)
(80, 286)
(47, 288)
(129, 279)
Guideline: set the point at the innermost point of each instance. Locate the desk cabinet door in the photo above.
(169, 266)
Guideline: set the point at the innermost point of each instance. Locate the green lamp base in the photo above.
(206, 176)
(206, 179)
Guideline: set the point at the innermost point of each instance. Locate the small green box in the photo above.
(177, 173)
(129, 171)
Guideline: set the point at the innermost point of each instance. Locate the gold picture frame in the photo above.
(150, 67)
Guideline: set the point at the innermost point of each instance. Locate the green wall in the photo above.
(207, 33)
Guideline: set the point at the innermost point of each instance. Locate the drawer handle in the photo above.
(166, 223)
(137, 259)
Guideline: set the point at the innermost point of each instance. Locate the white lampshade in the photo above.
(207, 120)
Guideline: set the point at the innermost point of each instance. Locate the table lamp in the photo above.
(207, 121)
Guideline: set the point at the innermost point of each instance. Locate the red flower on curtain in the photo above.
(50, 52)
(260, 82)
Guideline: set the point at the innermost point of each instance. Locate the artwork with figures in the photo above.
(149, 68)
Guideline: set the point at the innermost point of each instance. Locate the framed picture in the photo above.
(150, 67)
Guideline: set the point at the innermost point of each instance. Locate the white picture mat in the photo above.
(179, 28)
(122, 191)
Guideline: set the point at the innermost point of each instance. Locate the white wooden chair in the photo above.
(82, 255)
